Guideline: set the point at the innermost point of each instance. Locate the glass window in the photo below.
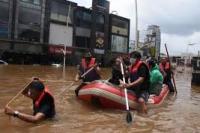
(26, 33)
(59, 11)
(83, 42)
(120, 23)
(100, 22)
(36, 2)
(119, 44)
(83, 19)
(100, 19)
(29, 16)
(29, 24)
(87, 16)
(4, 18)
(101, 3)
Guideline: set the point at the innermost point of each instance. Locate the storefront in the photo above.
(119, 34)
(59, 32)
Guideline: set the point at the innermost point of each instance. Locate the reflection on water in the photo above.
(180, 114)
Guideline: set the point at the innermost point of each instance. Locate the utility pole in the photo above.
(64, 51)
(136, 25)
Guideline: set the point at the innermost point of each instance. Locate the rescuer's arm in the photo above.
(25, 117)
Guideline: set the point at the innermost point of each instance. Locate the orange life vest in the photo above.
(165, 67)
(91, 64)
(46, 91)
(134, 69)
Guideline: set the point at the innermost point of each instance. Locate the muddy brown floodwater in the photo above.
(176, 115)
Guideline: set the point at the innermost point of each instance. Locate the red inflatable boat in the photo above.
(108, 95)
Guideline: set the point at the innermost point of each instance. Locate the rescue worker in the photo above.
(116, 71)
(43, 103)
(88, 62)
(156, 78)
(139, 80)
(167, 73)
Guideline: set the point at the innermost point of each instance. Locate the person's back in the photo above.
(156, 80)
(46, 106)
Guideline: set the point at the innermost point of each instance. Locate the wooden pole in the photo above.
(18, 93)
(170, 68)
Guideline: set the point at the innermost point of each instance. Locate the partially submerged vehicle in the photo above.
(3, 62)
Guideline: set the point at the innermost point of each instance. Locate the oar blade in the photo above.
(129, 117)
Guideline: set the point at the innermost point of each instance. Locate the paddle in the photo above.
(84, 74)
(170, 68)
(128, 116)
(89, 70)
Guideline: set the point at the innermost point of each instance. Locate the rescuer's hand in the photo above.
(9, 111)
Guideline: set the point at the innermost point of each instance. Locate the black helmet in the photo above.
(152, 62)
(135, 54)
(36, 84)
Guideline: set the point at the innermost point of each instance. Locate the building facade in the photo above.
(153, 39)
(32, 31)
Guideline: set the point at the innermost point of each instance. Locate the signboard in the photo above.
(99, 51)
(99, 43)
(120, 31)
(58, 49)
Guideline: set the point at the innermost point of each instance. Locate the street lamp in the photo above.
(114, 12)
(187, 51)
(190, 44)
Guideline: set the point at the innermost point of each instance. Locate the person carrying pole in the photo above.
(43, 103)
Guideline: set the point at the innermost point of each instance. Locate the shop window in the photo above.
(119, 44)
(4, 18)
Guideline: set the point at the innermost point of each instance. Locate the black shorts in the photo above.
(144, 95)
(141, 94)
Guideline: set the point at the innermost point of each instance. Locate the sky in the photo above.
(179, 20)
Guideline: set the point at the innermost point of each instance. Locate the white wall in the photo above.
(59, 34)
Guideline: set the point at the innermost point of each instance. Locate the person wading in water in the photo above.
(167, 73)
(43, 103)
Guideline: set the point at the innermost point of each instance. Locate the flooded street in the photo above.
(176, 115)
